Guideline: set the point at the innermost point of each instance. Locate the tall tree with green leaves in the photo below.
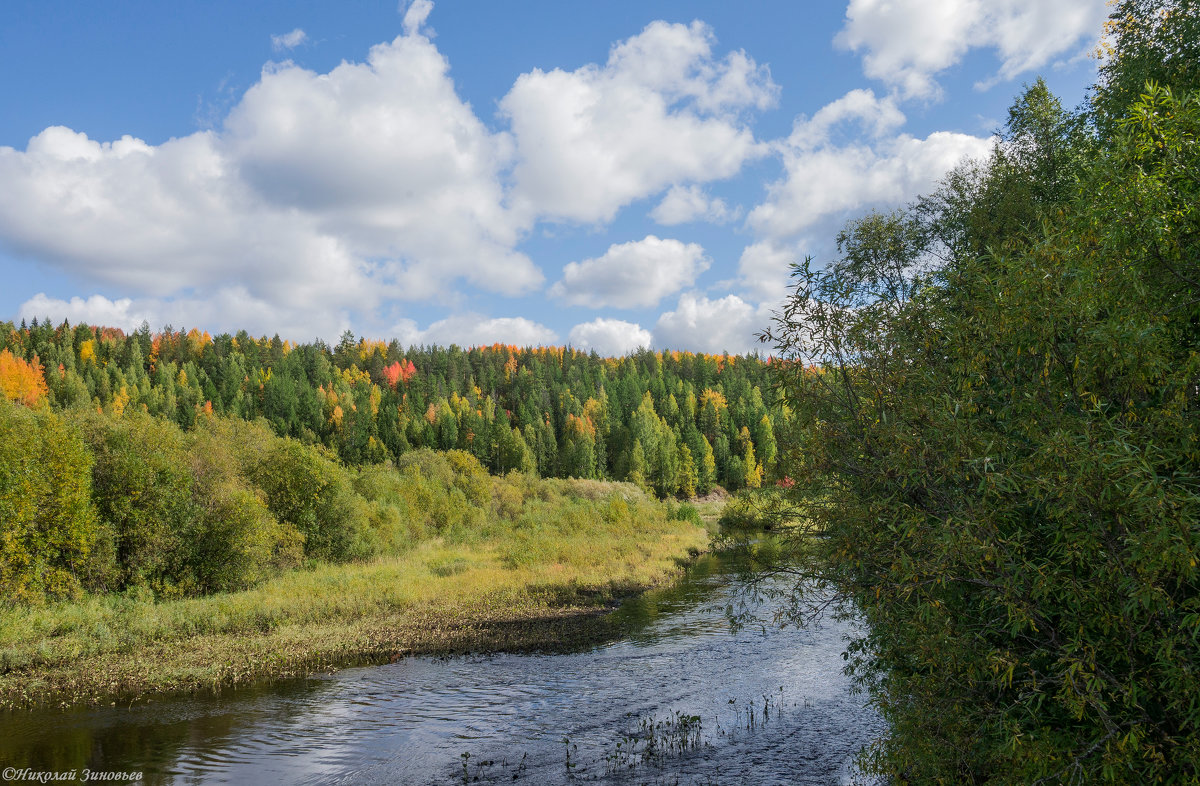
(999, 456)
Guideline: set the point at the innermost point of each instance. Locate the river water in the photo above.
(681, 699)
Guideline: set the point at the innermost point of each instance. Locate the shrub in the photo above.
(764, 509)
(142, 491)
(234, 541)
(49, 525)
(309, 492)
(1000, 458)
(448, 493)
(684, 512)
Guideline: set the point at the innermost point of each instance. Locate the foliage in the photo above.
(234, 540)
(311, 494)
(21, 381)
(1146, 41)
(49, 527)
(142, 491)
(998, 456)
(762, 509)
(553, 411)
(521, 580)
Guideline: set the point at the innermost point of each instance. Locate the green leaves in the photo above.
(47, 524)
(1000, 456)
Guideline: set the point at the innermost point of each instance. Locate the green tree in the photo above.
(307, 492)
(142, 491)
(637, 465)
(764, 438)
(998, 460)
(1145, 41)
(48, 523)
(688, 476)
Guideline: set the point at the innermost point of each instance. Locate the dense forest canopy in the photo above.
(674, 422)
(1000, 453)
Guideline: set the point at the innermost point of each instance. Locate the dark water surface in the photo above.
(681, 700)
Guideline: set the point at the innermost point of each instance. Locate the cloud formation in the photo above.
(344, 192)
(327, 201)
(468, 330)
(906, 43)
(631, 275)
(727, 324)
(610, 337)
(326, 193)
(683, 204)
(385, 156)
(286, 41)
(228, 308)
(662, 111)
(845, 159)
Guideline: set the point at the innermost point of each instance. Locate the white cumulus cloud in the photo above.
(94, 310)
(610, 337)
(689, 203)
(663, 110)
(831, 180)
(631, 275)
(416, 15)
(323, 195)
(227, 308)
(469, 330)
(906, 43)
(385, 155)
(700, 324)
(832, 173)
(764, 265)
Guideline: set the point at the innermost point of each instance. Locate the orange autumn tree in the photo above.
(20, 380)
(400, 371)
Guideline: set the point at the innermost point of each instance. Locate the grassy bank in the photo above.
(532, 576)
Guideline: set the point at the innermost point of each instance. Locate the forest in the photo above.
(184, 464)
(674, 422)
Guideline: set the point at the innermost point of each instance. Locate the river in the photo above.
(681, 699)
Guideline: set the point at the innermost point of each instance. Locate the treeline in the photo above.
(1001, 455)
(675, 423)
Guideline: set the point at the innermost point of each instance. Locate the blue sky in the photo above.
(607, 175)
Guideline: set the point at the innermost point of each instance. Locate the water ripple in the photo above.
(770, 706)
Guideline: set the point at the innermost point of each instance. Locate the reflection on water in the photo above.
(681, 699)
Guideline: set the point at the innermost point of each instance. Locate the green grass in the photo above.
(532, 580)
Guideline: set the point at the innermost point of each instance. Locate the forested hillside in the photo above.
(675, 423)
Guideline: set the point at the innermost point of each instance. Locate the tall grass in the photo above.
(522, 549)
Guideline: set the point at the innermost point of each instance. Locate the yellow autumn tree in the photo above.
(20, 380)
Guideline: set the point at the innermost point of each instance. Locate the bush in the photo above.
(470, 477)
(764, 509)
(49, 525)
(142, 491)
(234, 541)
(447, 493)
(684, 511)
(396, 522)
(1000, 458)
(311, 493)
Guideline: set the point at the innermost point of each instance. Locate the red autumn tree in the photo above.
(400, 371)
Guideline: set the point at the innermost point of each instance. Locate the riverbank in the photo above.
(511, 586)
